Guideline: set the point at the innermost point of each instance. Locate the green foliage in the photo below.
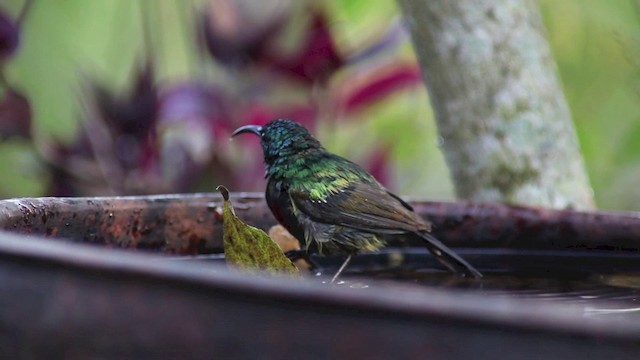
(597, 48)
(248, 248)
(25, 176)
(64, 41)
(596, 44)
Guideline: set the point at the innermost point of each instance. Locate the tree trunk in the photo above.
(506, 127)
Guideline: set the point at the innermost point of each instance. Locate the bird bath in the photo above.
(142, 277)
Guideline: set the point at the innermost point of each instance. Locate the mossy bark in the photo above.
(505, 124)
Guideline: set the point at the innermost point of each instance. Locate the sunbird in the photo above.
(326, 199)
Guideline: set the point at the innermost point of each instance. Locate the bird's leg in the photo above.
(342, 267)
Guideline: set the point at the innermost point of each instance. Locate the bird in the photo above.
(324, 199)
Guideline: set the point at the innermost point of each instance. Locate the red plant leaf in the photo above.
(380, 85)
(377, 165)
(317, 60)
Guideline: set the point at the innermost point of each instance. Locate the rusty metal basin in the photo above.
(98, 278)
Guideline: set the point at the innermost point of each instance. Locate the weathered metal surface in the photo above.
(498, 225)
(179, 224)
(189, 224)
(72, 301)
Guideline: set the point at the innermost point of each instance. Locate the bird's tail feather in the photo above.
(447, 257)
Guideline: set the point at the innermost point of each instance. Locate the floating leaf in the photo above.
(250, 248)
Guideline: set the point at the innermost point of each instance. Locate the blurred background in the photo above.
(140, 97)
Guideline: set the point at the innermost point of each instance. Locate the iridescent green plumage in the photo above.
(327, 200)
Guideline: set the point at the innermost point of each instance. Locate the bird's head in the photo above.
(281, 139)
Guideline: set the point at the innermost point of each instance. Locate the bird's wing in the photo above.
(365, 206)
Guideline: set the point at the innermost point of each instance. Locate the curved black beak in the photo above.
(254, 129)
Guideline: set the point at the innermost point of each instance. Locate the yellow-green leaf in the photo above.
(250, 248)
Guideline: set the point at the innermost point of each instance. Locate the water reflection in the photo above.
(597, 295)
(589, 281)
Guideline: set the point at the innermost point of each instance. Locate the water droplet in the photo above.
(358, 285)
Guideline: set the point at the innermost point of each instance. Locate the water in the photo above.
(601, 283)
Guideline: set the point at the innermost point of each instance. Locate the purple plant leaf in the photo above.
(193, 102)
(9, 36)
(130, 119)
(237, 33)
(135, 113)
(193, 119)
(395, 36)
(15, 115)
